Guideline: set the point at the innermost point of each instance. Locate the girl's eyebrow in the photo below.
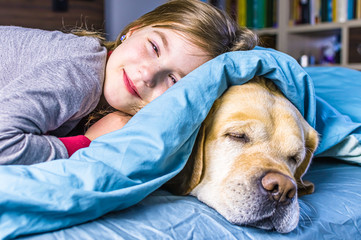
(164, 39)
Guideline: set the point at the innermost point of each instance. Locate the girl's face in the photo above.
(148, 62)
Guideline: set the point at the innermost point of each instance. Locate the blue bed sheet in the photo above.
(332, 212)
(121, 168)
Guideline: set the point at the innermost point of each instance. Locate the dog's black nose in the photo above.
(279, 187)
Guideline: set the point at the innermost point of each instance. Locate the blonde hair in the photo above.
(206, 26)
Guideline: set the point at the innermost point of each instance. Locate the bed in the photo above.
(332, 212)
(111, 199)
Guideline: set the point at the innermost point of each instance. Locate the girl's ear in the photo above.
(131, 31)
(128, 34)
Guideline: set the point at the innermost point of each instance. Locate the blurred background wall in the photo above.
(109, 16)
(118, 13)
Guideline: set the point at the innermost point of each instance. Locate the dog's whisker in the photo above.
(304, 217)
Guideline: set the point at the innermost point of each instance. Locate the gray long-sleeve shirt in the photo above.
(48, 81)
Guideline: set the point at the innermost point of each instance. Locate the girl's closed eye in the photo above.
(155, 48)
(173, 79)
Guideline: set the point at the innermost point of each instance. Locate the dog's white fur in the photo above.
(251, 130)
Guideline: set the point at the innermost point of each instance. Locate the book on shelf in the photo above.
(242, 12)
(256, 14)
(316, 11)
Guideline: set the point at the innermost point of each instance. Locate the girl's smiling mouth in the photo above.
(129, 85)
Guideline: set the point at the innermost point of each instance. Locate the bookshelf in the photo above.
(322, 43)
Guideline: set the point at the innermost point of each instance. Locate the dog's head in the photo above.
(249, 158)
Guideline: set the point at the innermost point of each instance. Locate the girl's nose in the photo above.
(148, 74)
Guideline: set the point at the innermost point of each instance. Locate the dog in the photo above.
(249, 158)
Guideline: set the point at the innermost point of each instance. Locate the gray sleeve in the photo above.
(50, 94)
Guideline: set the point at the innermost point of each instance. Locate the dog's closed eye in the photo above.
(293, 159)
(241, 137)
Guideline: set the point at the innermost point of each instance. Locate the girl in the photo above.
(49, 81)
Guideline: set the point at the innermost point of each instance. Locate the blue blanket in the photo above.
(121, 168)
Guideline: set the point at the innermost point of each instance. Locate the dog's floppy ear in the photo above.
(185, 181)
(306, 187)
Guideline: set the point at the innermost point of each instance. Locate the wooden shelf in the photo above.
(309, 39)
(266, 31)
(356, 66)
(336, 43)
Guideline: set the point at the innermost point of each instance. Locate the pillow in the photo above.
(338, 112)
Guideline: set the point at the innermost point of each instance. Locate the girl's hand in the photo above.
(111, 122)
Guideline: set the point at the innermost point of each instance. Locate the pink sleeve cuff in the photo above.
(74, 143)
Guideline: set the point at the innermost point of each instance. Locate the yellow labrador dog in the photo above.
(250, 155)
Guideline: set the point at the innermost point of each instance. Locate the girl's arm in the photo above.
(48, 82)
(107, 124)
(34, 114)
(111, 122)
